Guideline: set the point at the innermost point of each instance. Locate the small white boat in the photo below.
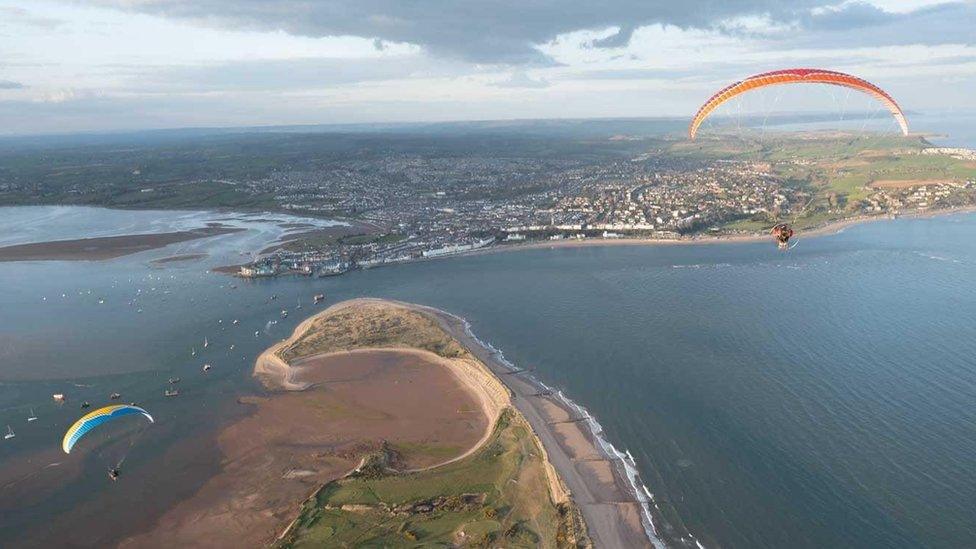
(231, 346)
(205, 343)
(206, 367)
(114, 396)
(32, 416)
(284, 313)
(10, 434)
(58, 397)
(236, 322)
(193, 352)
(171, 393)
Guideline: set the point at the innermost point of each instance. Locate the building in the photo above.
(257, 271)
(333, 268)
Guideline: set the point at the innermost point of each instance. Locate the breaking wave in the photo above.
(623, 459)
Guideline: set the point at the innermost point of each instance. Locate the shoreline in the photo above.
(277, 374)
(827, 229)
(336, 408)
(626, 479)
(106, 247)
(600, 480)
(586, 469)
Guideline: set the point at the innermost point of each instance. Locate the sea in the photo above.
(822, 397)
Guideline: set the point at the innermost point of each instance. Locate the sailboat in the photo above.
(10, 434)
(31, 417)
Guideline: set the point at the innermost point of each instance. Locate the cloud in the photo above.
(521, 80)
(286, 74)
(11, 15)
(638, 74)
(617, 40)
(171, 63)
(489, 31)
(847, 16)
(857, 24)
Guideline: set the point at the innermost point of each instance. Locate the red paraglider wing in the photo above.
(797, 76)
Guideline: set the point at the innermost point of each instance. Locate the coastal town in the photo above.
(409, 208)
(412, 195)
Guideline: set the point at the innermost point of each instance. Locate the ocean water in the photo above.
(941, 128)
(821, 397)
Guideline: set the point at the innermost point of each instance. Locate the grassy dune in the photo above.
(373, 325)
(495, 497)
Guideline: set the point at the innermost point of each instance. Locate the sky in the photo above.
(106, 65)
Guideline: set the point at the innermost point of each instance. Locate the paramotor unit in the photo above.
(782, 233)
(796, 76)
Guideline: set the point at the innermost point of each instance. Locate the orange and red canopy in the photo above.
(797, 76)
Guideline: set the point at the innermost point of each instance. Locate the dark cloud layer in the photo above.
(861, 24)
(21, 16)
(490, 31)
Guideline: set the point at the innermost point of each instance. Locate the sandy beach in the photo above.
(831, 228)
(827, 229)
(109, 247)
(582, 470)
(177, 259)
(595, 481)
(323, 414)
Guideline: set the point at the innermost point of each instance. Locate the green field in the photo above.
(497, 497)
(837, 168)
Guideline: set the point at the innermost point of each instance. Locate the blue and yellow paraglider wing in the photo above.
(93, 419)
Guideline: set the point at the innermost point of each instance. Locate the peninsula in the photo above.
(386, 423)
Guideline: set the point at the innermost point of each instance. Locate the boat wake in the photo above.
(937, 257)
